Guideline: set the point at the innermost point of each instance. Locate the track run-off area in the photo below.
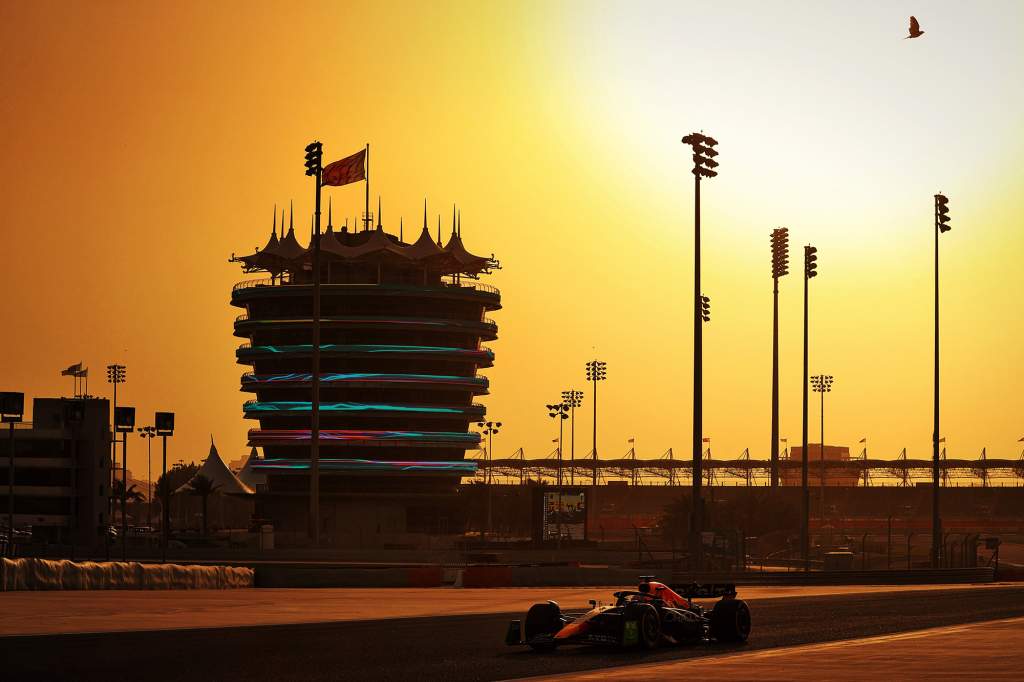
(425, 634)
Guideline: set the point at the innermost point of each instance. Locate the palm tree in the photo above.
(203, 487)
(167, 483)
(132, 495)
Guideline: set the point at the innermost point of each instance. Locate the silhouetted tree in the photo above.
(132, 495)
(203, 487)
(176, 477)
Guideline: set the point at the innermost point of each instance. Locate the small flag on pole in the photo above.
(942, 440)
(346, 171)
(632, 440)
(72, 371)
(84, 372)
(863, 440)
(708, 440)
(554, 440)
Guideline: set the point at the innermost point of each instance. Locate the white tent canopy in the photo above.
(248, 476)
(217, 471)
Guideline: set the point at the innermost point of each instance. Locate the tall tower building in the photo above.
(402, 328)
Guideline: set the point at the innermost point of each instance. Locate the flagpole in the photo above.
(366, 202)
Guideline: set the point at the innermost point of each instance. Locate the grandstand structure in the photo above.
(668, 469)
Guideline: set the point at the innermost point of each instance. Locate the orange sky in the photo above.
(146, 142)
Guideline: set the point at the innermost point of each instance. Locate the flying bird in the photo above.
(915, 29)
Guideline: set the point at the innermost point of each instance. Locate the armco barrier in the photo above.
(45, 574)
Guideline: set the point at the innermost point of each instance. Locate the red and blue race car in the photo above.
(652, 615)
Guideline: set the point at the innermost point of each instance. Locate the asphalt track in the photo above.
(465, 647)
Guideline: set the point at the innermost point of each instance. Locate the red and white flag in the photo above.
(346, 171)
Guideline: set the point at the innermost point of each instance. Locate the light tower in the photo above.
(810, 270)
(704, 165)
(780, 268)
(941, 225)
(822, 383)
(597, 370)
(573, 399)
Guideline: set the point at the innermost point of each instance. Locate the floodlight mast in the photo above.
(597, 370)
(810, 271)
(780, 268)
(704, 165)
(941, 226)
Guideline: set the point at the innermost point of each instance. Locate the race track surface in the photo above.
(78, 611)
(988, 650)
(467, 647)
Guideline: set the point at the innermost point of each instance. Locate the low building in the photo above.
(839, 469)
(61, 471)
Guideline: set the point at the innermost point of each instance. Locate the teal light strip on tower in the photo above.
(258, 406)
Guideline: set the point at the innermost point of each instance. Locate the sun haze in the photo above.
(148, 142)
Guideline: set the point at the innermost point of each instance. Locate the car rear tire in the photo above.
(730, 621)
(542, 619)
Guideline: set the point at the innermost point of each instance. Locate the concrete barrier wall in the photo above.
(307, 575)
(920, 576)
(45, 574)
(482, 576)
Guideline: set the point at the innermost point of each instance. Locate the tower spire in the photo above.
(453, 220)
(439, 229)
(273, 230)
(291, 217)
(330, 226)
(401, 229)
(282, 222)
(378, 213)
(424, 213)
(460, 224)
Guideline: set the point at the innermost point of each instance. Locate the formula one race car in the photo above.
(654, 614)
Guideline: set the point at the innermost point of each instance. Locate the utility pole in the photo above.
(703, 166)
(780, 268)
(941, 225)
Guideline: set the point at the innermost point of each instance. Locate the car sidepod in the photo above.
(680, 625)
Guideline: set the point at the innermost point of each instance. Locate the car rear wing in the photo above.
(706, 591)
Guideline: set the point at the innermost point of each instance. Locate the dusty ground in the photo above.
(988, 651)
(30, 613)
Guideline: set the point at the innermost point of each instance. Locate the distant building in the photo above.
(835, 473)
(61, 471)
(402, 327)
